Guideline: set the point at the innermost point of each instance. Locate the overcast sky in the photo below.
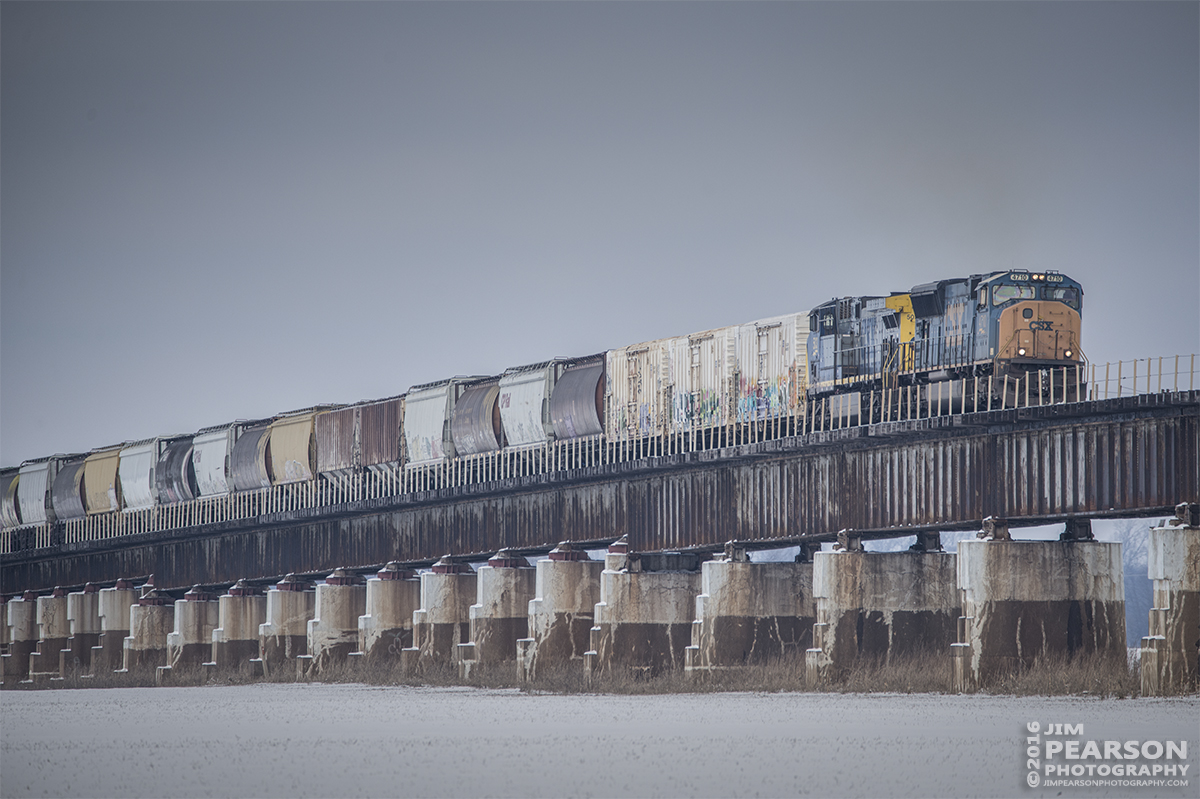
(215, 211)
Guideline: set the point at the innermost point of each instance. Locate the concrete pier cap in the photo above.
(1171, 650)
(283, 637)
(751, 613)
(880, 606)
(500, 615)
(443, 621)
(241, 611)
(151, 620)
(560, 615)
(333, 630)
(385, 629)
(647, 605)
(1023, 601)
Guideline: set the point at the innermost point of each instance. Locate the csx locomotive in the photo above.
(1000, 325)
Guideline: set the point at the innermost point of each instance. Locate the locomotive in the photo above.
(1003, 325)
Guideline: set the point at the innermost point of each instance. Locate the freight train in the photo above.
(1001, 326)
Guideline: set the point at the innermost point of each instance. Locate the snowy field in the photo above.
(352, 740)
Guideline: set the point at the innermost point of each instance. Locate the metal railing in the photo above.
(1061, 386)
(858, 364)
(1157, 375)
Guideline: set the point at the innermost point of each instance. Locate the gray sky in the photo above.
(213, 211)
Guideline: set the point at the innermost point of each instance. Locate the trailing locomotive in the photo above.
(1003, 325)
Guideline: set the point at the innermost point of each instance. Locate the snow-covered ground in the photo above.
(353, 740)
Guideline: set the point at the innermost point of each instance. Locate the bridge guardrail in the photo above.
(1062, 386)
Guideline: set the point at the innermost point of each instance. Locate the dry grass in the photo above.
(75, 679)
(1089, 674)
(915, 673)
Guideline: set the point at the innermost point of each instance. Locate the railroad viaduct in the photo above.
(683, 518)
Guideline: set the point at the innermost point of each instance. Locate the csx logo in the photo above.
(1041, 324)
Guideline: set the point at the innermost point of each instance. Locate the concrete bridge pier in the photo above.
(333, 629)
(444, 619)
(108, 655)
(643, 620)
(1170, 653)
(22, 636)
(566, 590)
(240, 613)
(54, 630)
(190, 644)
(386, 629)
(877, 607)
(500, 615)
(751, 613)
(1023, 601)
(283, 637)
(151, 620)
(83, 616)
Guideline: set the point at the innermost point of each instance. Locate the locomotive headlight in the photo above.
(1067, 353)
(1021, 351)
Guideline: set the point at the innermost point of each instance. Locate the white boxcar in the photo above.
(212, 457)
(701, 373)
(525, 403)
(638, 392)
(772, 365)
(34, 488)
(137, 468)
(426, 418)
(428, 410)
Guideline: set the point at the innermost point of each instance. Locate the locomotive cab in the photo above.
(1033, 319)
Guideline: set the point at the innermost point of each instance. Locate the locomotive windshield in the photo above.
(1002, 294)
(1067, 295)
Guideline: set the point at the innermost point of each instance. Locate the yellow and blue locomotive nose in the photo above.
(1040, 331)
